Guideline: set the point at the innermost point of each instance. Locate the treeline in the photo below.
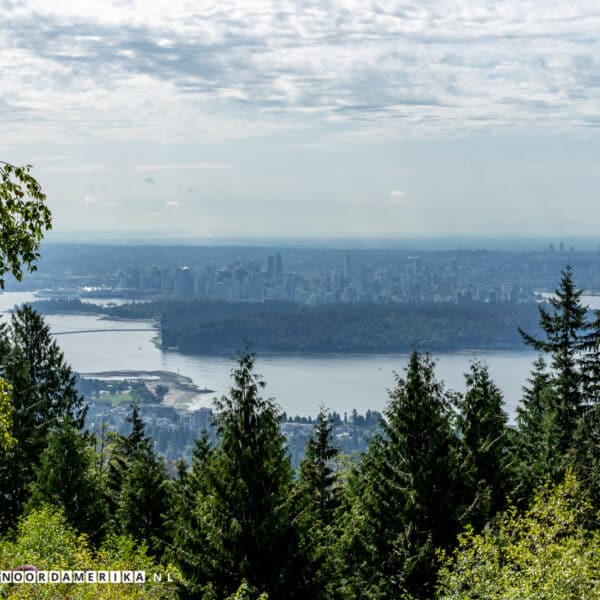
(209, 327)
(348, 328)
(219, 327)
(66, 306)
(448, 501)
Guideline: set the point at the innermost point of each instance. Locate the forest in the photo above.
(448, 500)
(220, 327)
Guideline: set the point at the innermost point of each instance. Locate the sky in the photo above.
(320, 119)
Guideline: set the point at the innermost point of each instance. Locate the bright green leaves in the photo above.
(6, 413)
(24, 218)
(547, 553)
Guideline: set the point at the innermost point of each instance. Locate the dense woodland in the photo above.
(448, 501)
(220, 327)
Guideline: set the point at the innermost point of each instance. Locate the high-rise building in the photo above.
(278, 265)
(347, 268)
(184, 284)
(270, 267)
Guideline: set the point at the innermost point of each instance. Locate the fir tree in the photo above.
(404, 496)
(565, 328)
(138, 487)
(584, 456)
(43, 393)
(481, 426)
(318, 502)
(590, 363)
(244, 511)
(536, 447)
(67, 478)
(189, 548)
(317, 472)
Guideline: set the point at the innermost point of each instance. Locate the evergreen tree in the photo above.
(404, 495)
(244, 511)
(536, 447)
(318, 502)
(584, 456)
(590, 363)
(67, 478)
(481, 426)
(317, 472)
(142, 496)
(565, 328)
(188, 529)
(43, 393)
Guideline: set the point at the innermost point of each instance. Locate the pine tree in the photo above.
(536, 448)
(565, 329)
(43, 393)
(590, 363)
(404, 495)
(584, 456)
(481, 426)
(67, 478)
(319, 498)
(245, 509)
(317, 473)
(189, 548)
(138, 487)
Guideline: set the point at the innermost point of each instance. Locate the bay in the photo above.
(301, 384)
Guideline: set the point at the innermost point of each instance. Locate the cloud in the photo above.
(172, 203)
(396, 194)
(198, 166)
(75, 168)
(179, 71)
(89, 199)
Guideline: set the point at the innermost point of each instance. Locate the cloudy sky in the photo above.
(317, 118)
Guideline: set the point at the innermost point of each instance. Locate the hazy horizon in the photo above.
(309, 119)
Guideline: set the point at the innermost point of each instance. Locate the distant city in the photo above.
(307, 276)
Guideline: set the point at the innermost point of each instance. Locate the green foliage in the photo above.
(319, 499)
(247, 592)
(205, 326)
(6, 416)
(140, 487)
(242, 506)
(590, 362)
(43, 393)
(67, 478)
(403, 498)
(584, 455)
(317, 471)
(545, 553)
(46, 541)
(536, 447)
(481, 426)
(24, 217)
(564, 330)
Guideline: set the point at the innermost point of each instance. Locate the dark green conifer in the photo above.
(590, 363)
(317, 471)
(139, 487)
(190, 545)
(319, 498)
(43, 394)
(244, 511)
(67, 478)
(481, 426)
(404, 496)
(536, 449)
(565, 328)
